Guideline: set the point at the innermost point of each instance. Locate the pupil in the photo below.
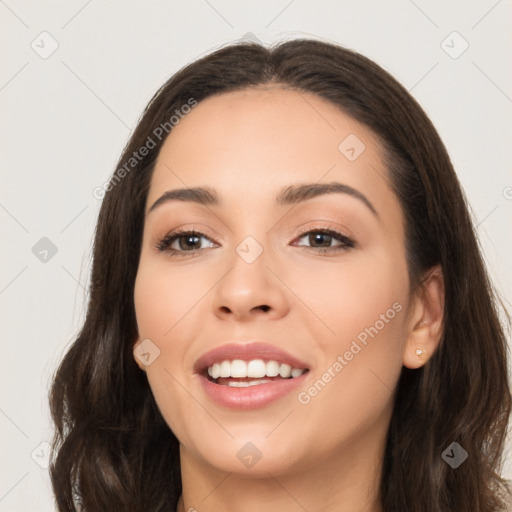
(188, 238)
(320, 235)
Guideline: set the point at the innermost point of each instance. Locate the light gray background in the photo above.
(65, 119)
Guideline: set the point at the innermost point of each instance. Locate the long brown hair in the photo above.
(112, 448)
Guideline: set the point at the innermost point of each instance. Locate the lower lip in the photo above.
(251, 397)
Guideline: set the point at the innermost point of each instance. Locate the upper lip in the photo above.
(247, 352)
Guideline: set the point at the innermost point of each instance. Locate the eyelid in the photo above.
(327, 226)
(347, 241)
(162, 244)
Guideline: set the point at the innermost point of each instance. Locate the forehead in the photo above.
(258, 139)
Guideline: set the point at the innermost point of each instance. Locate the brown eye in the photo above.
(323, 238)
(187, 241)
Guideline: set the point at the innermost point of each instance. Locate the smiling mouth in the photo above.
(242, 374)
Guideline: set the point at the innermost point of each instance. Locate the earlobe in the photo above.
(426, 325)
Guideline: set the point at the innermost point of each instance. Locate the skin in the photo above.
(325, 455)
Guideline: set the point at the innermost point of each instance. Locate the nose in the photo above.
(250, 290)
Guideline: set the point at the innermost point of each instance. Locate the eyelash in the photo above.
(164, 244)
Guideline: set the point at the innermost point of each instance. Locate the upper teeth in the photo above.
(257, 368)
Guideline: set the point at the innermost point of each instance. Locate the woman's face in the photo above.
(254, 292)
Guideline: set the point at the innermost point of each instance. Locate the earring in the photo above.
(419, 353)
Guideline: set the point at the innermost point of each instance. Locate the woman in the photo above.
(262, 371)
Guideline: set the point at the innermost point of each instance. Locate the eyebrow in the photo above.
(290, 195)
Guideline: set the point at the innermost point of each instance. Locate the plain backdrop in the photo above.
(75, 76)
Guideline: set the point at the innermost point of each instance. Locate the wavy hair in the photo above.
(113, 451)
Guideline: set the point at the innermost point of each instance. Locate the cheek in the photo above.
(364, 306)
(168, 310)
(351, 295)
(164, 296)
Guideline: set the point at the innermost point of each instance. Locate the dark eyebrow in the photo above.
(297, 193)
(202, 195)
(292, 194)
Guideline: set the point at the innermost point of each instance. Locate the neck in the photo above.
(347, 480)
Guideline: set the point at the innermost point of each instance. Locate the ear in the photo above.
(426, 320)
(136, 343)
